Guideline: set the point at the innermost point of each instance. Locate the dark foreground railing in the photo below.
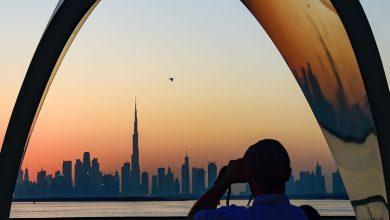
(154, 218)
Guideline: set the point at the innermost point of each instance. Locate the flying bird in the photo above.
(172, 79)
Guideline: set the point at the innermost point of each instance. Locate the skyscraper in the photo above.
(319, 185)
(337, 184)
(176, 187)
(86, 174)
(290, 185)
(198, 181)
(161, 187)
(305, 184)
(87, 162)
(135, 171)
(185, 176)
(108, 185)
(78, 173)
(58, 184)
(310, 182)
(125, 180)
(194, 185)
(211, 174)
(67, 173)
(116, 183)
(96, 176)
(145, 183)
(41, 183)
(154, 185)
(170, 181)
(26, 176)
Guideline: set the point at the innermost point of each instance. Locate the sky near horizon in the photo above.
(231, 86)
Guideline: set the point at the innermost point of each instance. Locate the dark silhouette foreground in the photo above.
(266, 167)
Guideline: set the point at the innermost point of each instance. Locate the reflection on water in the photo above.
(165, 208)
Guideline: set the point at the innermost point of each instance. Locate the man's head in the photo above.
(267, 166)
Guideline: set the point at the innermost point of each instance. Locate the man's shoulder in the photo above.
(281, 211)
(223, 212)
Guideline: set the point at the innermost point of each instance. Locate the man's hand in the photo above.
(234, 172)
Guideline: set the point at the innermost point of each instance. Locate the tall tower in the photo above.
(26, 176)
(212, 174)
(135, 171)
(185, 176)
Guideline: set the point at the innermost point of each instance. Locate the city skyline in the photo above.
(193, 180)
(86, 179)
(135, 183)
(89, 181)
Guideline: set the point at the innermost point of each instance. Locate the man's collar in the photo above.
(271, 199)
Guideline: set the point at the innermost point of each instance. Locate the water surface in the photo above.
(154, 208)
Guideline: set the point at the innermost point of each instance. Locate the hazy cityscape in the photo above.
(87, 180)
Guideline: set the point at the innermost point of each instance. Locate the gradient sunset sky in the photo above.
(232, 86)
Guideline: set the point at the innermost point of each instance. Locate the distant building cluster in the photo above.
(313, 183)
(89, 181)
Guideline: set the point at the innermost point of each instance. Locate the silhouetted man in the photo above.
(266, 167)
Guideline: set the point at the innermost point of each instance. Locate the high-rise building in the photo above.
(26, 176)
(49, 179)
(310, 182)
(86, 183)
(96, 176)
(116, 183)
(290, 185)
(67, 173)
(41, 183)
(78, 173)
(135, 171)
(211, 174)
(176, 187)
(87, 162)
(170, 181)
(201, 179)
(154, 185)
(58, 184)
(194, 185)
(299, 188)
(319, 181)
(185, 176)
(305, 184)
(125, 180)
(338, 187)
(162, 186)
(145, 183)
(198, 181)
(108, 185)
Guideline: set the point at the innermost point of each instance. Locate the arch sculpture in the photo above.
(330, 49)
